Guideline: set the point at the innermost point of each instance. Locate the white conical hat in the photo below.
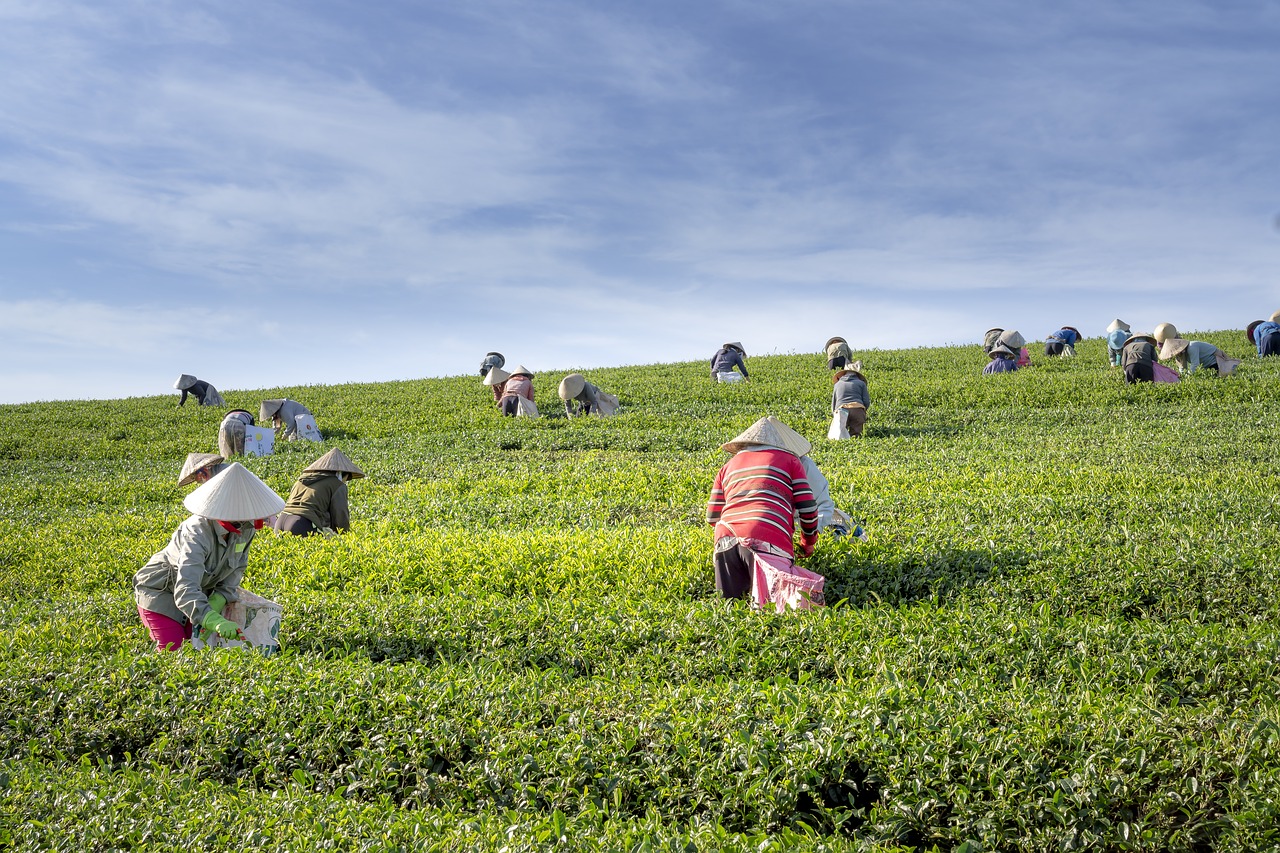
(337, 461)
(1165, 330)
(196, 461)
(268, 409)
(184, 382)
(234, 494)
(572, 385)
(1118, 324)
(520, 368)
(1013, 339)
(1001, 350)
(1172, 346)
(773, 432)
(1275, 318)
(495, 376)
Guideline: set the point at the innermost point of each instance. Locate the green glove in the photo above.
(217, 602)
(225, 628)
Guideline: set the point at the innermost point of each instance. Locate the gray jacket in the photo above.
(849, 389)
(201, 558)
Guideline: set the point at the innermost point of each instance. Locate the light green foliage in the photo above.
(1062, 634)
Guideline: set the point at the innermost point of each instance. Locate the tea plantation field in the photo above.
(1063, 634)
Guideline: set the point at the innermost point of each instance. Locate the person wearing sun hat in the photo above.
(1002, 361)
(989, 339)
(1062, 342)
(517, 393)
(838, 353)
(726, 359)
(318, 500)
(1191, 355)
(849, 395)
(205, 394)
(191, 579)
(1163, 331)
(491, 360)
(199, 468)
(1138, 358)
(1017, 344)
(231, 432)
(583, 398)
(757, 499)
(1265, 335)
(496, 379)
(283, 412)
(1117, 334)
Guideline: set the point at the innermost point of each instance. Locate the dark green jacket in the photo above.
(321, 497)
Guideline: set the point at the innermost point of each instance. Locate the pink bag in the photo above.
(778, 581)
(1164, 374)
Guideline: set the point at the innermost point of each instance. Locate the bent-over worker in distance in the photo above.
(199, 468)
(838, 353)
(1265, 335)
(1191, 355)
(191, 579)
(729, 357)
(205, 394)
(849, 395)
(989, 339)
(318, 500)
(756, 500)
(496, 379)
(583, 398)
(491, 360)
(283, 413)
(1117, 334)
(1002, 361)
(519, 386)
(1017, 344)
(231, 432)
(1062, 342)
(1163, 331)
(1138, 358)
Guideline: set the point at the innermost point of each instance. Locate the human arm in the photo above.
(339, 510)
(182, 401)
(196, 560)
(742, 364)
(715, 505)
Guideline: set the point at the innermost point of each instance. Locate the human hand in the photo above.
(807, 544)
(224, 628)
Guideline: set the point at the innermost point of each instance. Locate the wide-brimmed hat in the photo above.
(1073, 329)
(1142, 336)
(734, 345)
(855, 369)
(995, 329)
(1117, 324)
(1013, 339)
(268, 409)
(572, 385)
(835, 340)
(184, 382)
(495, 376)
(1165, 330)
(337, 462)
(1172, 347)
(772, 432)
(1275, 318)
(234, 494)
(999, 350)
(502, 359)
(521, 370)
(195, 462)
(1249, 329)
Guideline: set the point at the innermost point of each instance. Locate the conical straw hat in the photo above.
(234, 494)
(268, 409)
(495, 376)
(184, 382)
(1275, 318)
(1013, 339)
(1165, 330)
(521, 369)
(1117, 324)
(572, 385)
(770, 431)
(196, 461)
(1250, 329)
(734, 345)
(1173, 346)
(1142, 336)
(834, 340)
(338, 462)
(1001, 350)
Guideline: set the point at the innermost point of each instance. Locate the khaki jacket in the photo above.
(320, 497)
(201, 558)
(839, 348)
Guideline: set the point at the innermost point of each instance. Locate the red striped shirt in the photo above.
(758, 494)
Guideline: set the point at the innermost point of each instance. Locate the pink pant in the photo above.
(167, 633)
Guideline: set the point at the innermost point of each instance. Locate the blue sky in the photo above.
(271, 193)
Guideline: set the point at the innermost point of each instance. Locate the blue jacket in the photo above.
(725, 360)
(999, 365)
(1067, 336)
(1261, 331)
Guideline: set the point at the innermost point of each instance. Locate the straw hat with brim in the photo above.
(1000, 350)
(836, 340)
(496, 376)
(1172, 347)
(1013, 339)
(234, 494)
(572, 385)
(1249, 329)
(1074, 329)
(184, 382)
(1142, 336)
(268, 409)
(1165, 330)
(521, 370)
(196, 461)
(734, 345)
(1275, 318)
(337, 462)
(772, 432)
(1116, 325)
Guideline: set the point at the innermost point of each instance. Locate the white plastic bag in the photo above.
(525, 408)
(839, 428)
(306, 427)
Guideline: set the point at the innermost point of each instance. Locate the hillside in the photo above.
(1063, 633)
